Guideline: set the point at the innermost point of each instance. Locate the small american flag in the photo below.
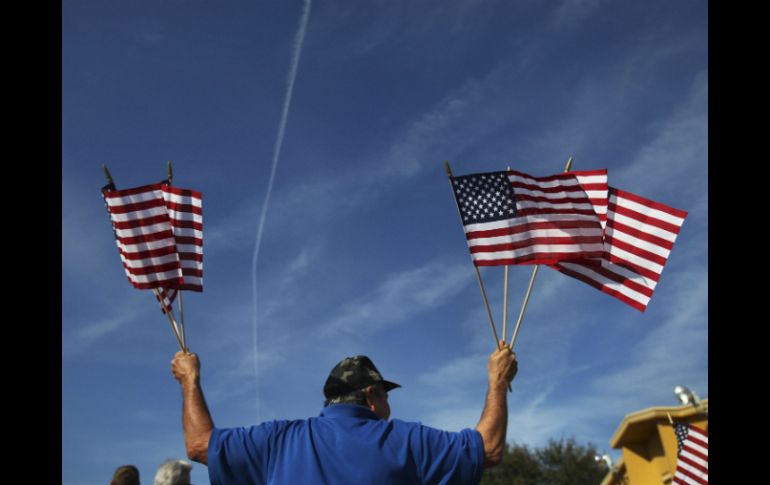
(186, 217)
(513, 218)
(693, 455)
(639, 237)
(159, 234)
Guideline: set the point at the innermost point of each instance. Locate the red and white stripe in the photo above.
(692, 467)
(594, 182)
(555, 221)
(639, 236)
(144, 236)
(185, 213)
(166, 297)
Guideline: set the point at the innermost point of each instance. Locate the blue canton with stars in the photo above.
(681, 431)
(484, 197)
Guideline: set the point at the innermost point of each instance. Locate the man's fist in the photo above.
(185, 367)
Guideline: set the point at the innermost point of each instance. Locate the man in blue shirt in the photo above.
(353, 440)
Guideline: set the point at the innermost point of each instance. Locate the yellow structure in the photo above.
(649, 444)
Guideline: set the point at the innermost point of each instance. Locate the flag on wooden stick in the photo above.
(510, 217)
(638, 239)
(159, 233)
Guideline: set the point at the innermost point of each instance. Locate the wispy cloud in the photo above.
(80, 335)
(232, 230)
(444, 130)
(87, 241)
(459, 371)
(533, 422)
(570, 13)
(365, 37)
(679, 151)
(91, 333)
(137, 448)
(371, 27)
(399, 297)
(678, 346)
(605, 102)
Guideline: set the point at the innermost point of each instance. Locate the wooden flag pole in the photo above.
(505, 298)
(524, 306)
(531, 283)
(181, 318)
(505, 303)
(171, 320)
(486, 305)
(478, 274)
(170, 178)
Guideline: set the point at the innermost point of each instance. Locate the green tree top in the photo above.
(563, 462)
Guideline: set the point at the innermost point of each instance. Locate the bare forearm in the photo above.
(196, 421)
(501, 369)
(494, 423)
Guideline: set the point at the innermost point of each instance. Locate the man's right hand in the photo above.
(186, 367)
(502, 367)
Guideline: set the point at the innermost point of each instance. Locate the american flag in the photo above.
(693, 455)
(639, 236)
(145, 237)
(159, 233)
(185, 213)
(513, 218)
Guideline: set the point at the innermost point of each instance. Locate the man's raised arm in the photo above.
(502, 367)
(196, 420)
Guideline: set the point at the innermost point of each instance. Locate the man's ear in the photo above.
(370, 392)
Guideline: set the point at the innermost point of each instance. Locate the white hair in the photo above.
(173, 472)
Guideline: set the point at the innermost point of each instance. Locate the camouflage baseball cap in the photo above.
(352, 374)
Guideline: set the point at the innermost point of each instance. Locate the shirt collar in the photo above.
(347, 411)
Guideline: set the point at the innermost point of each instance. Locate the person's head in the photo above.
(125, 475)
(355, 380)
(173, 472)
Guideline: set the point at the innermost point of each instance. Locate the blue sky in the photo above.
(362, 250)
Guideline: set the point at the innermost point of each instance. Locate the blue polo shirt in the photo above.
(345, 444)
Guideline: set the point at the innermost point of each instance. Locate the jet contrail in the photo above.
(298, 40)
